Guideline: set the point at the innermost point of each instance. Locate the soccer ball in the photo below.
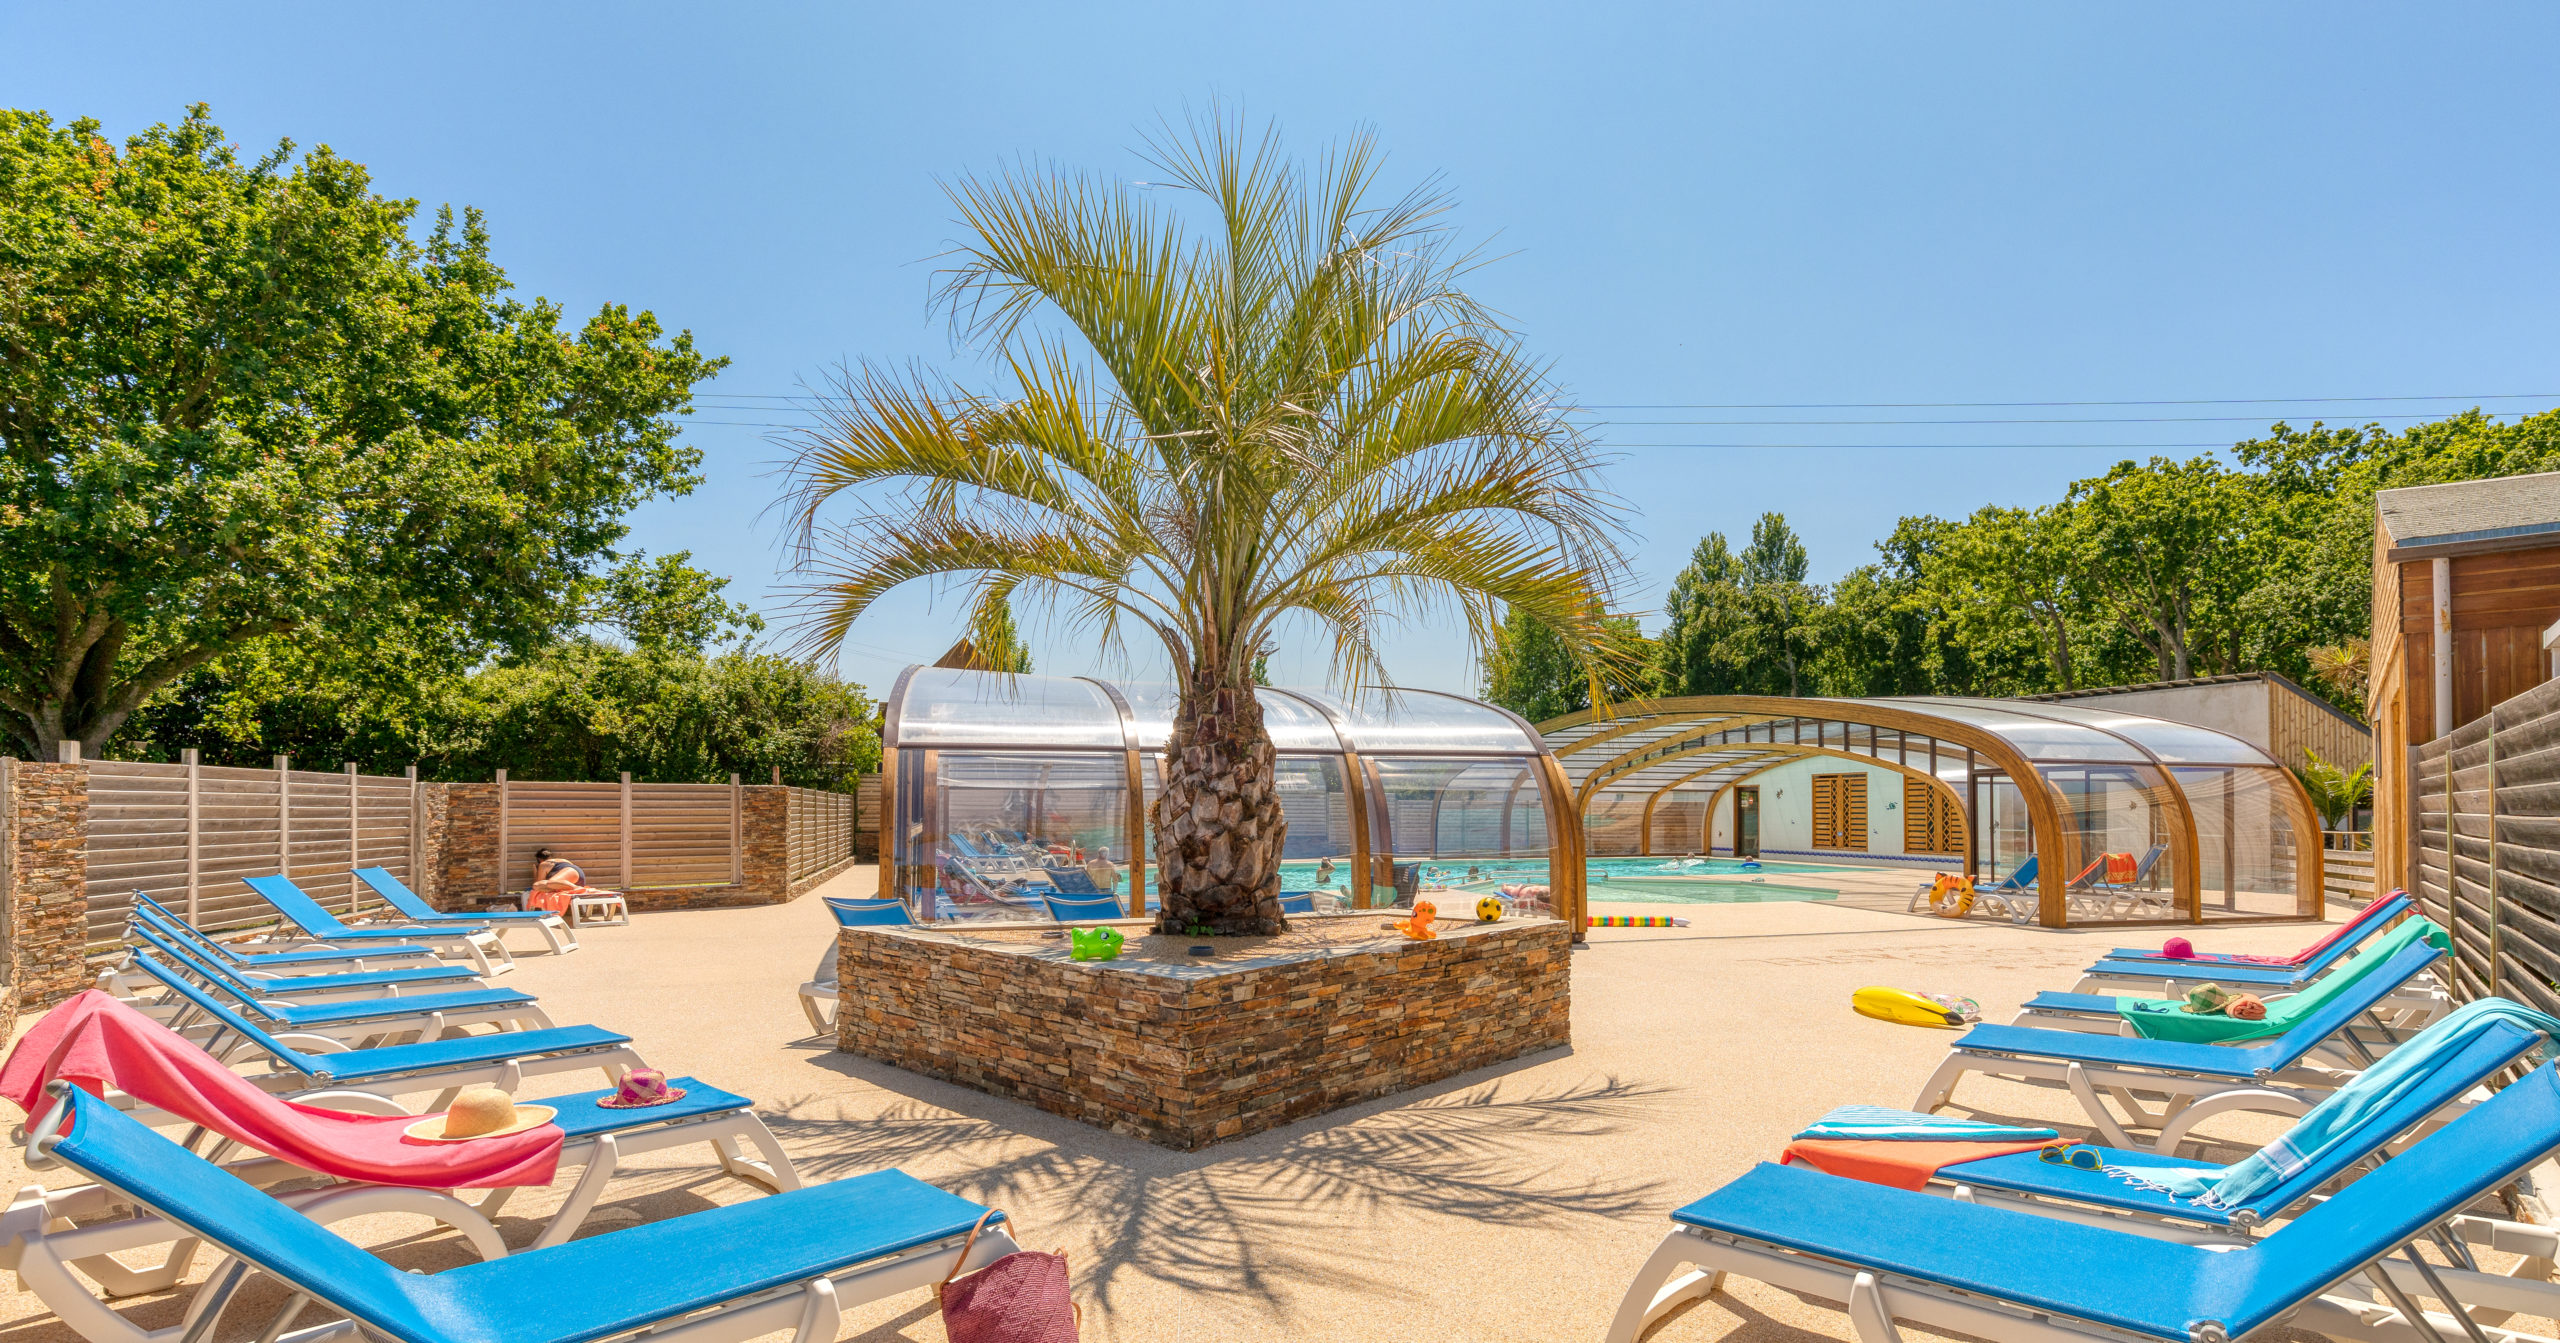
(1489, 909)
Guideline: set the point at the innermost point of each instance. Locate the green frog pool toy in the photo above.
(1095, 944)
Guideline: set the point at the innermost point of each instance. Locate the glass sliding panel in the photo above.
(2124, 810)
(1316, 854)
(1014, 826)
(1466, 827)
(2245, 829)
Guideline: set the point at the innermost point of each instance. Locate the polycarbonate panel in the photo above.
(949, 707)
(2038, 739)
(1294, 724)
(2174, 743)
(993, 831)
(1423, 721)
(1462, 808)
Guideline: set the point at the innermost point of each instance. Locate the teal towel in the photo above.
(1873, 1123)
(2332, 1120)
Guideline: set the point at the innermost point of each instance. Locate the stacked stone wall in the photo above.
(1185, 1063)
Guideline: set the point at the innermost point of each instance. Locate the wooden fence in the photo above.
(2485, 847)
(188, 833)
(822, 828)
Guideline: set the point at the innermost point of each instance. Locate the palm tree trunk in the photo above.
(1218, 826)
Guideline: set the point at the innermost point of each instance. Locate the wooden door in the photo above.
(1840, 811)
(1931, 820)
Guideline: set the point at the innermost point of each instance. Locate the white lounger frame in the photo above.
(2187, 1099)
(486, 951)
(601, 1156)
(43, 1256)
(1690, 1263)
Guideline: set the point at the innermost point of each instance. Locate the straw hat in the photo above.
(480, 1112)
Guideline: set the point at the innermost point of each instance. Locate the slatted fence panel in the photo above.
(684, 834)
(311, 825)
(2485, 847)
(581, 822)
(821, 828)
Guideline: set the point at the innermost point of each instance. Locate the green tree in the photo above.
(667, 603)
(1785, 610)
(992, 630)
(239, 401)
(2166, 558)
(2335, 792)
(2019, 565)
(1706, 645)
(1299, 416)
(1528, 669)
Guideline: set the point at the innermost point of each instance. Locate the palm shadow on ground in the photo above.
(1300, 1202)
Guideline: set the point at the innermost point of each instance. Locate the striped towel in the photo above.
(1878, 1123)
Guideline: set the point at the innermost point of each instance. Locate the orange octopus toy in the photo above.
(1419, 926)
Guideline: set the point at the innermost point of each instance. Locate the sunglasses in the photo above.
(2076, 1156)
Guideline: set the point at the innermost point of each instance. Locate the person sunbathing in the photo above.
(556, 882)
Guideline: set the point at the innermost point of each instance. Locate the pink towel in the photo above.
(97, 1043)
(2298, 958)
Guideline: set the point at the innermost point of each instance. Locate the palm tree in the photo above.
(1299, 416)
(2335, 792)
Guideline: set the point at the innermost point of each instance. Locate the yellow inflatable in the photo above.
(1903, 1006)
(1951, 897)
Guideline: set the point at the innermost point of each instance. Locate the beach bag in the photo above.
(1021, 1298)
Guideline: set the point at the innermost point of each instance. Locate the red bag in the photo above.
(2120, 868)
(1021, 1298)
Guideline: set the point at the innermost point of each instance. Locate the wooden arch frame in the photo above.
(2044, 803)
(1777, 754)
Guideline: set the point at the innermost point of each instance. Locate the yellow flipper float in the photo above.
(1904, 1006)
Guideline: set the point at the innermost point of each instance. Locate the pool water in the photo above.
(1670, 881)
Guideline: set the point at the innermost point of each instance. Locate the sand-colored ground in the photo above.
(1511, 1203)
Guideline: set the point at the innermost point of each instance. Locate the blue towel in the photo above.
(2333, 1120)
(1874, 1123)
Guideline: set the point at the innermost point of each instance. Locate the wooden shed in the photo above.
(2466, 581)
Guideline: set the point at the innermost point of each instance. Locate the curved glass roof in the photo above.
(945, 707)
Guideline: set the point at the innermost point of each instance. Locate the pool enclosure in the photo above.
(1002, 790)
(2200, 824)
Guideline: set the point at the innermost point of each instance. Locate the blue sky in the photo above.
(1816, 207)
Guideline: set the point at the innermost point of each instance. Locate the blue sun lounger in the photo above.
(818, 996)
(426, 1015)
(1891, 1254)
(599, 1138)
(789, 1262)
(300, 1061)
(2200, 1080)
(352, 983)
(316, 961)
(2418, 1000)
(487, 953)
(2031, 1181)
(2161, 978)
(2391, 907)
(396, 893)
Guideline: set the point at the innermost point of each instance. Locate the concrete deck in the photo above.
(1512, 1203)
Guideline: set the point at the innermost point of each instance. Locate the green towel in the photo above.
(2170, 1020)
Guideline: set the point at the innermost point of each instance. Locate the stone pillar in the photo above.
(48, 876)
(765, 845)
(465, 855)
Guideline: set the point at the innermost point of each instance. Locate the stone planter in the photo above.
(1185, 1051)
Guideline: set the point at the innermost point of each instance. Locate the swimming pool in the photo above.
(1638, 880)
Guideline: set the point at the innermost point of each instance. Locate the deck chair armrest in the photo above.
(354, 1102)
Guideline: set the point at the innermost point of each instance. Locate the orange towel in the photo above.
(1903, 1165)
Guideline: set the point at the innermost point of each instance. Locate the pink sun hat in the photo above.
(642, 1087)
